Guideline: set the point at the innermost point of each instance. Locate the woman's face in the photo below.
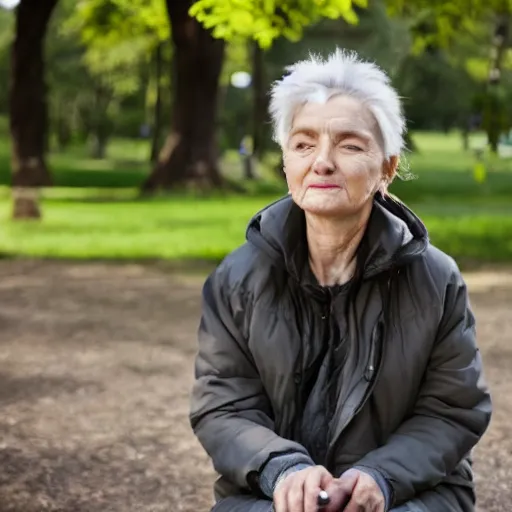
(334, 159)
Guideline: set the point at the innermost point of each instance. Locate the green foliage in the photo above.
(6, 36)
(106, 22)
(376, 37)
(441, 23)
(264, 21)
(100, 66)
(432, 22)
(119, 35)
(237, 58)
(437, 94)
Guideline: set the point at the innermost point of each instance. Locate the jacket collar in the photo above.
(394, 235)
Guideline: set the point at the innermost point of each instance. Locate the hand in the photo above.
(298, 492)
(355, 491)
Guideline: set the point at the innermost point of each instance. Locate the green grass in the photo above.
(175, 228)
(207, 229)
(445, 173)
(94, 211)
(126, 165)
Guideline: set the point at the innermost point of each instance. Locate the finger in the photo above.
(280, 497)
(295, 496)
(378, 505)
(312, 487)
(355, 503)
(341, 489)
(339, 496)
(349, 479)
(352, 506)
(338, 502)
(362, 500)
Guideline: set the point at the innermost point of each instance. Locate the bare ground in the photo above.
(95, 370)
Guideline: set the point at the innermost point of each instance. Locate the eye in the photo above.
(302, 146)
(353, 147)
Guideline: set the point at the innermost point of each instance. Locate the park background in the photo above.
(135, 145)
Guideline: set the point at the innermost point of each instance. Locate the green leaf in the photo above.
(241, 18)
(269, 7)
(351, 17)
(266, 20)
(292, 35)
(342, 5)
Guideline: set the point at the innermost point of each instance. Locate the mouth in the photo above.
(324, 186)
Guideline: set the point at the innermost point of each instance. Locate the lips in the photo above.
(324, 185)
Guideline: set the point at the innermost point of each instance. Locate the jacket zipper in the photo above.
(361, 392)
(298, 377)
(370, 367)
(296, 417)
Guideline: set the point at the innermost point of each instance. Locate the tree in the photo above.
(266, 21)
(6, 37)
(28, 106)
(432, 24)
(189, 155)
(496, 119)
(466, 24)
(126, 48)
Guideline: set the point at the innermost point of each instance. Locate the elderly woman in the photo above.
(337, 354)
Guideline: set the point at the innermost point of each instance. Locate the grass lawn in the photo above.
(193, 228)
(94, 212)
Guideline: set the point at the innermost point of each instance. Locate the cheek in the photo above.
(296, 168)
(363, 175)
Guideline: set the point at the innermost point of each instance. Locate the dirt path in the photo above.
(95, 370)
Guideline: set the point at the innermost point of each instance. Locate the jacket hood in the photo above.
(393, 237)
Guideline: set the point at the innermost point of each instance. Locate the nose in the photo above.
(323, 166)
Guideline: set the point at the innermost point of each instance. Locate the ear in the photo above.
(283, 160)
(389, 169)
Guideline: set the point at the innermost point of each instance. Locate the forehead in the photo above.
(338, 113)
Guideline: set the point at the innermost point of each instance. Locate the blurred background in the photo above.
(134, 147)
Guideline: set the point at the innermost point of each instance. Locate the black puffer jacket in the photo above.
(412, 402)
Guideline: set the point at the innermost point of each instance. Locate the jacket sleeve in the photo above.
(231, 414)
(452, 411)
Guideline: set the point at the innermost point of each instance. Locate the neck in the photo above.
(333, 245)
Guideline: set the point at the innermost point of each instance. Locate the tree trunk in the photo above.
(248, 167)
(27, 106)
(101, 124)
(99, 143)
(189, 155)
(62, 131)
(259, 101)
(498, 51)
(157, 111)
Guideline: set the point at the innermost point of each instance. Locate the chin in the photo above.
(325, 209)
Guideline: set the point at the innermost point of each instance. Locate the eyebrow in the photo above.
(342, 133)
(303, 131)
(359, 134)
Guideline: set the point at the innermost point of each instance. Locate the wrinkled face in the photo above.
(334, 159)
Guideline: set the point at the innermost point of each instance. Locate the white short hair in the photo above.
(343, 72)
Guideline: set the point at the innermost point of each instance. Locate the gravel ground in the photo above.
(95, 370)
